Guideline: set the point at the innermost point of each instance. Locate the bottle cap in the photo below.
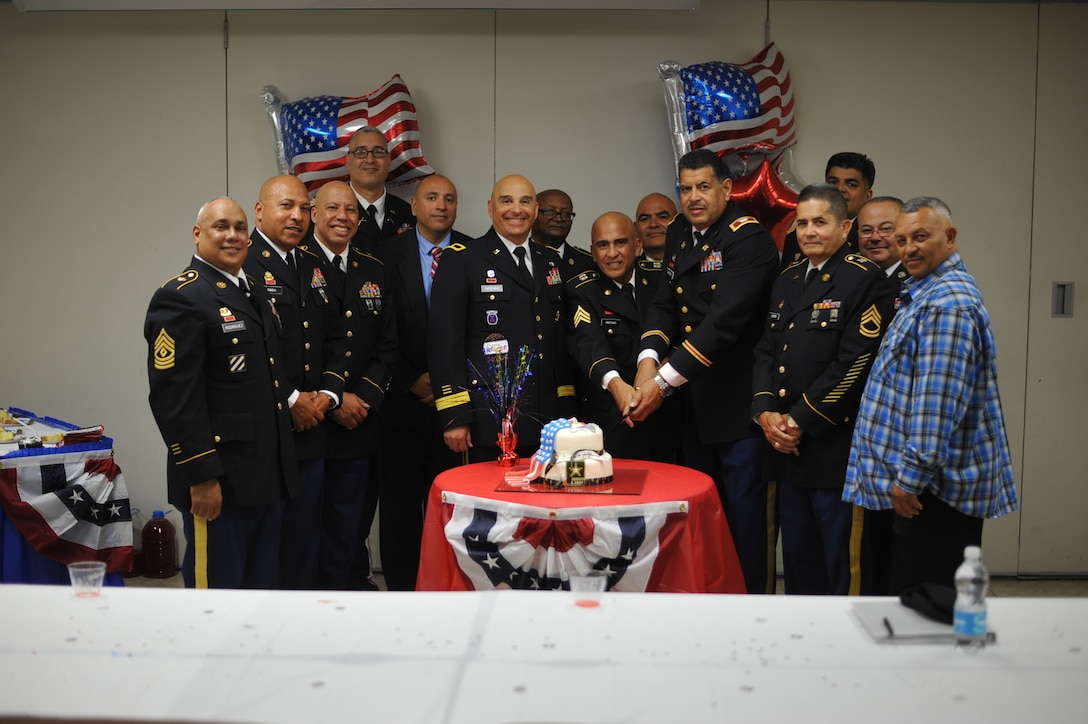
(974, 552)
(158, 514)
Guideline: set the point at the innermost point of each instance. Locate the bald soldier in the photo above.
(219, 396)
(606, 308)
(499, 287)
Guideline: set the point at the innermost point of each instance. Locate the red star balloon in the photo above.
(765, 196)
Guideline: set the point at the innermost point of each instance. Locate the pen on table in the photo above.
(888, 625)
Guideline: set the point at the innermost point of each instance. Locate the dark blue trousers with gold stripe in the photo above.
(239, 549)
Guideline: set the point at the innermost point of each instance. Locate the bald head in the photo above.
(615, 245)
(513, 208)
(221, 234)
(283, 211)
(335, 214)
(434, 204)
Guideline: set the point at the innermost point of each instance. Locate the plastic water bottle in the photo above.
(160, 546)
(969, 616)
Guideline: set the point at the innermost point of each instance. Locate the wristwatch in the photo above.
(333, 404)
(664, 387)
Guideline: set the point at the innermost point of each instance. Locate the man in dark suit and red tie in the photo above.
(413, 450)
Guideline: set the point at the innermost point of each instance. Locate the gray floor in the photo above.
(999, 587)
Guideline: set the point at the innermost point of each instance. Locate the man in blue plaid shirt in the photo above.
(930, 440)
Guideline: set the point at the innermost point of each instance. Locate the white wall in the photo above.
(118, 126)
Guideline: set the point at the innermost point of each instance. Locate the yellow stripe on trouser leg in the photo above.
(200, 550)
(857, 528)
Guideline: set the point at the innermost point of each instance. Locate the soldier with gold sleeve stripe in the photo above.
(218, 392)
(702, 327)
(481, 289)
(824, 324)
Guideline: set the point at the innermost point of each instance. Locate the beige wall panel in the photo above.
(112, 137)
(1055, 537)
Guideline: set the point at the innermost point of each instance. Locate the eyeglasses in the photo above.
(361, 153)
(884, 230)
(550, 214)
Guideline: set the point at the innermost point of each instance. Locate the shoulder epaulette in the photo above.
(794, 265)
(860, 261)
(186, 277)
(587, 276)
(649, 265)
(367, 255)
(742, 221)
(306, 250)
(673, 219)
(579, 250)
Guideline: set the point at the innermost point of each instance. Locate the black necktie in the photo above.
(338, 263)
(243, 286)
(372, 220)
(290, 259)
(811, 275)
(519, 252)
(629, 290)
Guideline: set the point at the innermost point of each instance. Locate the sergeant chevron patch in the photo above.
(581, 315)
(871, 322)
(164, 351)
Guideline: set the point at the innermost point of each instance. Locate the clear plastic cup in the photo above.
(588, 588)
(87, 577)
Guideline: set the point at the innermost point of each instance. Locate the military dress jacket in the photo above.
(218, 389)
(573, 261)
(478, 292)
(398, 219)
(605, 328)
(818, 345)
(405, 288)
(708, 315)
(370, 321)
(313, 339)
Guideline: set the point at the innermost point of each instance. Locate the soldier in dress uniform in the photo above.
(824, 325)
(876, 239)
(313, 348)
(356, 284)
(552, 227)
(699, 335)
(499, 285)
(606, 309)
(218, 392)
(381, 214)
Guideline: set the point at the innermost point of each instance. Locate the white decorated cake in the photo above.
(571, 454)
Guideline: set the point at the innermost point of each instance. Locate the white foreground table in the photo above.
(511, 656)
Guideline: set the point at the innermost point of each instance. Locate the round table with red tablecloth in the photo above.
(666, 531)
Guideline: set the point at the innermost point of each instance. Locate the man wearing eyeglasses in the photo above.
(552, 226)
(652, 218)
(876, 238)
(381, 214)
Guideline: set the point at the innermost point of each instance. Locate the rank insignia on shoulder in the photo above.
(649, 265)
(184, 278)
(164, 350)
(586, 276)
(742, 221)
(456, 246)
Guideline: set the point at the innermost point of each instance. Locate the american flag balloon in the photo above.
(312, 134)
(730, 109)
